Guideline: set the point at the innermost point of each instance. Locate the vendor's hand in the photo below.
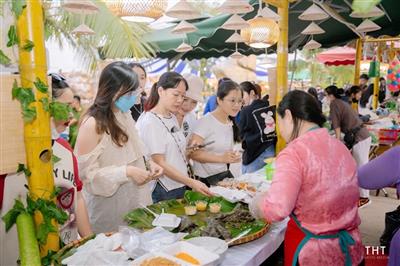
(231, 157)
(200, 187)
(255, 206)
(155, 170)
(138, 175)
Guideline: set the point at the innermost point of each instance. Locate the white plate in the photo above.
(205, 257)
(212, 244)
(231, 195)
(167, 220)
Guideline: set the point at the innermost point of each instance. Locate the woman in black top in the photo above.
(257, 129)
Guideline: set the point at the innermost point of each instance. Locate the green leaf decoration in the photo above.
(60, 111)
(12, 36)
(4, 60)
(28, 46)
(24, 95)
(29, 114)
(56, 192)
(23, 168)
(10, 217)
(363, 6)
(45, 104)
(17, 7)
(41, 86)
(47, 260)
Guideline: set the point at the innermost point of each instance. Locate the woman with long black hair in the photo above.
(113, 169)
(165, 141)
(219, 129)
(315, 183)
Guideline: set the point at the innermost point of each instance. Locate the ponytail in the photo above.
(153, 99)
(333, 90)
(168, 80)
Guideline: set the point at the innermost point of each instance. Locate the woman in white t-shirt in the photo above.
(165, 142)
(212, 163)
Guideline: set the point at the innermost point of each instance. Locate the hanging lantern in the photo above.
(139, 10)
(312, 29)
(235, 38)
(183, 48)
(183, 10)
(83, 29)
(236, 55)
(262, 33)
(312, 45)
(235, 7)
(80, 6)
(314, 12)
(184, 27)
(367, 26)
(235, 22)
(266, 12)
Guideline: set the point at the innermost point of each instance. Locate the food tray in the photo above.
(251, 237)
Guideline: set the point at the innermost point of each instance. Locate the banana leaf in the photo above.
(191, 197)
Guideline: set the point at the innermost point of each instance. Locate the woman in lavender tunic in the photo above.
(384, 171)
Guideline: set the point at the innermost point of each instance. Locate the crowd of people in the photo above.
(133, 149)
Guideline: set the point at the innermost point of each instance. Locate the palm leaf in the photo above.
(116, 37)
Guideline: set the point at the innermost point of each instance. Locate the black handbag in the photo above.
(350, 137)
(392, 225)
(212, 180)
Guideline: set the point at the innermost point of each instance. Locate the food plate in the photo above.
(233, 218)
(159, 258)
(232, 195)
(201, 255)
(167, 221)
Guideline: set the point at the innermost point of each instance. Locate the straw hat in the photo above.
(196, 86)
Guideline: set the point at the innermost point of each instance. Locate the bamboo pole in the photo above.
(389, 39)
(282, 62)
(357, 61)
(376, 79)
(37, 137)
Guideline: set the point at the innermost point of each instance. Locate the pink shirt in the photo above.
(316, 179)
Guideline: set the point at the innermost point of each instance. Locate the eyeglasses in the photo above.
(56, 77)
(233, 101)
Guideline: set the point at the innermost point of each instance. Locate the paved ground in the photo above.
(372, 222)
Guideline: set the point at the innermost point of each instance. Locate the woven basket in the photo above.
(251, 237)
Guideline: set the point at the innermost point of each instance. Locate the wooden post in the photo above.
(37, 137)
(357, 61)
(375, 100)
(282, 62)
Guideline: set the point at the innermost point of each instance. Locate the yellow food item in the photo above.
(186, 257)
(190, 210)
(215, 207)
(201, 205)
(159, 261)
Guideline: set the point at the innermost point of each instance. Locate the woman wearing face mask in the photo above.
(137, 108)
(165, 142)
(212, 163)
(323, 231)
(257, 130)
(345, 119)
(113, 169)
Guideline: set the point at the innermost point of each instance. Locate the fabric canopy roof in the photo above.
(209, 40)
(339, 56)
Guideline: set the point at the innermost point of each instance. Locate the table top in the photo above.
(257, 251)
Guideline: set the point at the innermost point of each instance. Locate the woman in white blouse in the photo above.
(113, 169)
(212, 163)
(160, 131)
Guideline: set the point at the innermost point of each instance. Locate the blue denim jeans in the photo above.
(160, 194)
(259, 163)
